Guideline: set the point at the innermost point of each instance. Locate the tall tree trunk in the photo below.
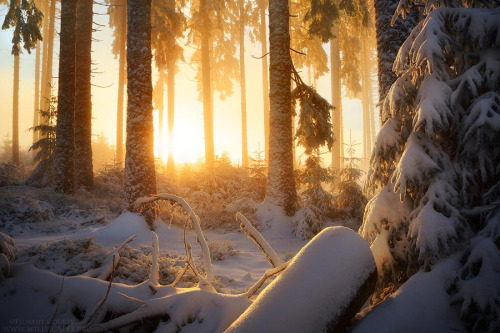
(371, 108)
(244, 143)
(140, 178)
(365, 104)
(159, 102)
(64, 155)
(336, 100)
(36, 107)
(281, 189)
(171, 113)
(265, 79)
(83, 96)
(389, 40)
(207, 89)
(45, 34)
(121, 87)
(15, 113)
(47, 83)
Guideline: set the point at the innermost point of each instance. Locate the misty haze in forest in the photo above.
(250, 166)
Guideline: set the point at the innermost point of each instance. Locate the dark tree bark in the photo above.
(336, 90)
(389, 40)
(265, 79)
(122, 74)
(83, 99)
(281, 189)
(64, 158)
(15, 113)
(140, 178)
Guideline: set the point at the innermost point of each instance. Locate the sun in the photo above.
(188, 141)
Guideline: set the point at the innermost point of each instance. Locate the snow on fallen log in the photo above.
(321, 289)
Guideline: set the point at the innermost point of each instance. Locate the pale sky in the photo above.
(188, 111)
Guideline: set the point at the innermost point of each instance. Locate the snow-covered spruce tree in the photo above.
(43, 174)
(64, 154)
(83, 99)
(350, 202)
(258, 173)
(281, 189)
(314, 131)
(140, 177)
(390, 37)
(438, 151)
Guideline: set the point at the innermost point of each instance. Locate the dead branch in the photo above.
(267, 274)
(301, 53)
(259, 240)
(154, 274)
(179, 277)
(110, 263)
(196, 223)
(96, 311)
(51, 320)
(260, 57)
(131, 298)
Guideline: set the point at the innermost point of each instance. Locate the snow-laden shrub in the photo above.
(307, 222)
(221, 250)
(8, 174)
(70, 257)
(317, 202)
(135, 266)
(6, 254)
(16, 209)
(65, 257)
(111, 173)
(438, 151)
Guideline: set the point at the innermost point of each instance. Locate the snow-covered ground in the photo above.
(81, 237)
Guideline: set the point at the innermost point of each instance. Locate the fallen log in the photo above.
(322, 288)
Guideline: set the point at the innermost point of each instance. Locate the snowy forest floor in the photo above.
(71, 235)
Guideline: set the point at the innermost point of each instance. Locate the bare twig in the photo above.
(131, 298)
(267, 274)
(260, 57)
(95, 312)
(302, 53)
(259, 240)
(179, 277)
(111, 264)
(196, 224)
(51, 320)
(154, 274)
